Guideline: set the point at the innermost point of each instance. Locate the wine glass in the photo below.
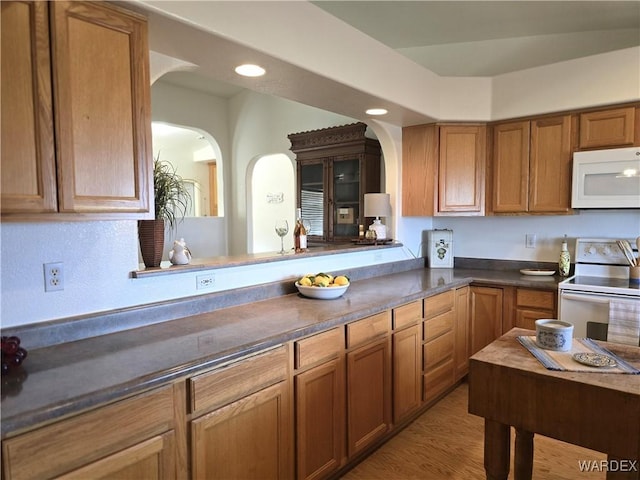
(282, 228)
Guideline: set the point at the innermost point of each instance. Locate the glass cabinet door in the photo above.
(312, 197)
(345, 212)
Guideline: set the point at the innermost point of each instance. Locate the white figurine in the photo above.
(180, 254)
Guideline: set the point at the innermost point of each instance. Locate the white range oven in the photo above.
(601, 279)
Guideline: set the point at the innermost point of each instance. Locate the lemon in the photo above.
(321, 281)
(341, 280)
(306, 281)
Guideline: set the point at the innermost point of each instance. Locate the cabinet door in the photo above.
(313, 197)
(510, 167)
(102, 99)
(346, 198)
(461, 169)
(368, 394)
(550, 165)
(248, 439)
(608, 128)
(135, 427)
(461, 332)
(407, 372)
(486, 316)
(320, 419)
(150, 460)
(27, 159)
(419, 170)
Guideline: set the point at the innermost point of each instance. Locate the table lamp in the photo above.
(377, 205)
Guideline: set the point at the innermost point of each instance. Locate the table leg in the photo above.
(523, 456)
(497, 445)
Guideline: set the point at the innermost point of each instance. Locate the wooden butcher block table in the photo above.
(508, 386)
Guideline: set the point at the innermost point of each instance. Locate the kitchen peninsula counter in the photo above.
(71, 377)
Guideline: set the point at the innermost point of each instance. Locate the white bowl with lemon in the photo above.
(323, 286)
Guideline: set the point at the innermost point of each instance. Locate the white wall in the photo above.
(99, 256)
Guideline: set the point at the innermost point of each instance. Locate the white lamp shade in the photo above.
(377, 204)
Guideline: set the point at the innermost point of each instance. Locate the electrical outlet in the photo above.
(530, 240)
(53, 276)
(205, 281)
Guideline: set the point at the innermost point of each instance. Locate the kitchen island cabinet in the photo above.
(75, 82)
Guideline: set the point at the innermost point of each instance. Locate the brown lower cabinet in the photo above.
(486, 316)
(132, 438)
(368, 381)
(305, 409)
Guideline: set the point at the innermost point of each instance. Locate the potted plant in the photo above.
(171, 203)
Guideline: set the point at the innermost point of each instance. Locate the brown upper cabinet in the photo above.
(617, 127)
(75, 84)
(531, 167)
(443, 170)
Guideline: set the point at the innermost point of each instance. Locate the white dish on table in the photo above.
(537, 272)
(322, 293)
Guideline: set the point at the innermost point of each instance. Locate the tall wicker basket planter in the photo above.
(151, 236)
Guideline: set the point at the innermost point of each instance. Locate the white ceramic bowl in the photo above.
(322, 293)
(552, 334)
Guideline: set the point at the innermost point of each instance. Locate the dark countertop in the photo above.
(65, 379)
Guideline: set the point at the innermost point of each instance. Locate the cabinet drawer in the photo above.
(438, 350)
(436, 326)
(323, 346)
(438, 380)
(69, 444)
(368, 328)
(222, 386)
(535, 298)
(438, 304)
(408, 314)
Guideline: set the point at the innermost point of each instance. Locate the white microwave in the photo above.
(606, 178)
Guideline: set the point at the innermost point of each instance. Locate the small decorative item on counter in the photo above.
(564, 264)
(12, 353)
(180, 254)
(371, 234)
(299, 233)
(361, 232)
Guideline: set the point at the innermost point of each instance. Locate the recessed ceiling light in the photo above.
(377, 111)
(249, 70)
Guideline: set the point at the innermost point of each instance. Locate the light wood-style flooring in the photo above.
(446, 442)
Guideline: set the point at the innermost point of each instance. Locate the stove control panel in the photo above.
(600, 251)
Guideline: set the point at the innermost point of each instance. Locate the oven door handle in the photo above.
(584, 298)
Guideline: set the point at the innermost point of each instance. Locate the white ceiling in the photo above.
(488, 38)
(449, 38)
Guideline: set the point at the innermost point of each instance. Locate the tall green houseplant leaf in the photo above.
(171, 196)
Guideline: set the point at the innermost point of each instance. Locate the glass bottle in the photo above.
(299, 233)
(564, 264)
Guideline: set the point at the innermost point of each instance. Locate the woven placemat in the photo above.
(564, 362)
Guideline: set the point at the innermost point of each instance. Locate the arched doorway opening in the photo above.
(271, 195)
